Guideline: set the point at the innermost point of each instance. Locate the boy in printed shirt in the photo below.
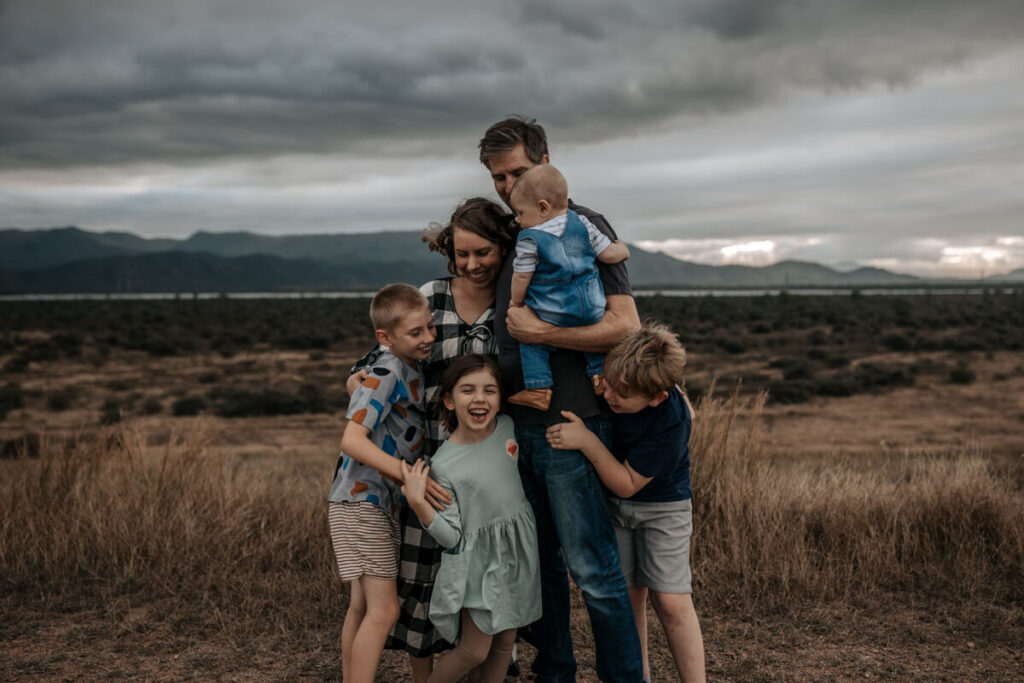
(648, 474)
(385, 427)
(555, 273)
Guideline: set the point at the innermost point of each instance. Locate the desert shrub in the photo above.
(785, 391)
(836, 362)
(302, 342)
(817, 338)
(24, 446)
(817, 354)
(68, 343)
(840, 384)
(188, 405)
(158, 346)
(110, 412)
(797, 370)
(39, 352)
(962, 374)
(11, 398)
(152, 406)
(16, 363)
(731, 345)
(232, 402)
(929, 366)
(883, 375)
(895, 341)
(61, 399)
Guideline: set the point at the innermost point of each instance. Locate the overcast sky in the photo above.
(872, 132)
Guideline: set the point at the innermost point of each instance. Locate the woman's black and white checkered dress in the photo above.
(421, 555)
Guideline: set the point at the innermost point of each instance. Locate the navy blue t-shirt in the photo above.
(655, 443)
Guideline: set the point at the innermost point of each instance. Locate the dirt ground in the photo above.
(871, 639)
(837, 642)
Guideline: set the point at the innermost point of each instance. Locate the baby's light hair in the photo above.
(392, 302)
(647, 362)
(543, 182)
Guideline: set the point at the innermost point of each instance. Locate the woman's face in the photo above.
(476, 259)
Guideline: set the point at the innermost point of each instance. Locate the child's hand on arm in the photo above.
(417, 492)
(356, 443)
(355, 380)
(619, 477)
(572, 435)
(415, 489)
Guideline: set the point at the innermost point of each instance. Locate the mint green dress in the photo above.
(490, 566)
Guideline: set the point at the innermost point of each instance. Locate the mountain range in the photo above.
(72, 260)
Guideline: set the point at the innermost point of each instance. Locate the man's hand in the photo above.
(570, 436)
(524, 325)
(620, 318)
(355, 380)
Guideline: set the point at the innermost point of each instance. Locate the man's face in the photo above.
(506, 169)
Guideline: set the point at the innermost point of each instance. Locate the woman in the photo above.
(474, 241)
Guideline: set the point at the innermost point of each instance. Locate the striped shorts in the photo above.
(365, 540)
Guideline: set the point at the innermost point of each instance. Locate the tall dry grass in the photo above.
(771, 530)
(245, 550)
(94, 520)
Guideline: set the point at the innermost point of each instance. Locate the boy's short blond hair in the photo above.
(648, 361)
(392, 302)
(543, 182)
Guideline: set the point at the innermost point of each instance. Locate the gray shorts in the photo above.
(654, 543)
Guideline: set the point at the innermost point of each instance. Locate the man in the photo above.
(574, 526)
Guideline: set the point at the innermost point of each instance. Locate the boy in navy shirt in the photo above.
(648, 474)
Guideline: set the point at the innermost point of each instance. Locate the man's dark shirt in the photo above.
(572, 389)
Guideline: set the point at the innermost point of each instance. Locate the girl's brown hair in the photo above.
(459, 368)
(479, 216)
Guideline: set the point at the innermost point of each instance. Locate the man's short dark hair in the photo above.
(504, 135)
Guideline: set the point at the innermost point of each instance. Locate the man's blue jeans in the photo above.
(574, 528)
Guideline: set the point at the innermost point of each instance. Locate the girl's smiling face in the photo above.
(475, 400)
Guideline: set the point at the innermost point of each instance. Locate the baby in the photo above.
(555, 273)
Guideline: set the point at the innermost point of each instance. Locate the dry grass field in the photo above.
(148, 535)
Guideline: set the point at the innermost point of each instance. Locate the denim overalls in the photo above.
(565, 290)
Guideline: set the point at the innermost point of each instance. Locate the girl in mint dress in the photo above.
(489, 581)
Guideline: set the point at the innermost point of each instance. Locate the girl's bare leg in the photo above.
(471, 652)
(495, 667)
(421, 668)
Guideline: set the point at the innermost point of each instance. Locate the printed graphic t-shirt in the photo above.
(390, 404)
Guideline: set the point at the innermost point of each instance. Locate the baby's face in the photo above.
(528, 213)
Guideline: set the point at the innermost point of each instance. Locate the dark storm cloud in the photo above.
(116, 81)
